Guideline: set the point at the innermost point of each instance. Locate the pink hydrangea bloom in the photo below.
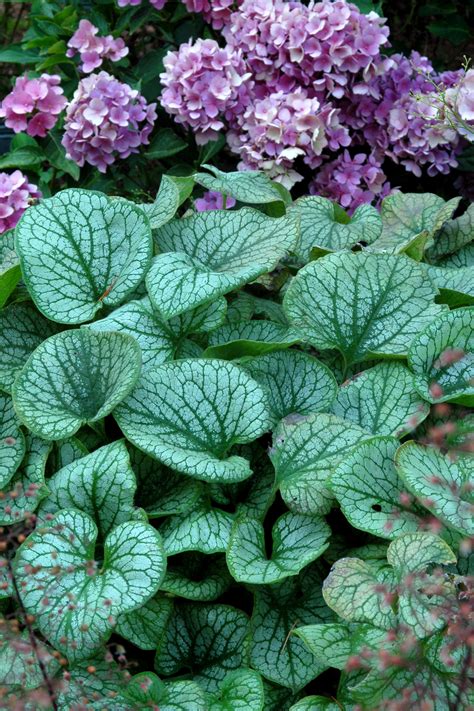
(15, 195)
(216, 12)
(204, 85)
(212, 200)
(311, 81)
(274, 131)
(33, 105)
(93, 49)
(157, 4)
(351, 181)
(314, 45)
(106, 120)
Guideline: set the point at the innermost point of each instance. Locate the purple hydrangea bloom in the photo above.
(314, 45)
(283, 126)
(299, 83)
(93, 49)
(398, 116)
(216, 12)
(204, 85)
(212, 200)
(106, 120)
(351, 180)
(33, 105)
(15, 195)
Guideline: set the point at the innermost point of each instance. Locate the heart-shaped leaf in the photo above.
(297, 541)
(454, 235)
(103, 689)
(382, 400)
(22, 329)
(444, 486)
(420, 597)
(211, 253)
(205, 529)
(334, 643)
(245, 306)
(144, 626)
(166, 203)
(81, 250)
(355, 591)
(407, 216)
(19, 662)
(206, 639)
(73, 378)
(10, 270)
(369, 490)
(160, 340)
(147, 691)
(389, 686)
(101, 484)
(442, 358)
(249, 338)
(12, 441)
(295, 382)
(274, 651)
(240, 690)
(455, 285)
(65, 452)
(326, 225)
(161, 491)
(197, 576)
(248, 186)
(464, 257)
(27, 484)
(304, 455)
(188, 414)
(130, 573)
(364, 305)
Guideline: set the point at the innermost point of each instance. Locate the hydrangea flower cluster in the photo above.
(351, 181)
(15, 195)
(399, 116)
(315, 45)
(460, 105)
(313, 89)
(93, 49)
(106, 119)
(216, 12)
(33, 105)
(212, 200)
(205, 84)
(277, 129)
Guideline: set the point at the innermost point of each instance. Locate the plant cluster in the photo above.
(236, 452)
(308, 93)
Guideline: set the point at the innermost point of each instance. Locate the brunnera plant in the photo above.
(236, 453)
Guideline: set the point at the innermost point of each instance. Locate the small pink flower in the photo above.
(33, 105)
(15, 195)
(212, 200)
(92, 48)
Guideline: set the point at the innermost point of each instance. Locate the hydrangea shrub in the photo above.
(311, 94)
(228, 462)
